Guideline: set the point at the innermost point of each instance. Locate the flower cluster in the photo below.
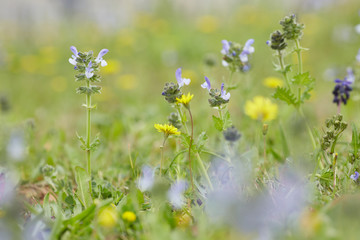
(277, 41)
(218, 97)
(172, 90)
(292, 29)
(167, 129)
(335, 126)
(355, 176)
(174, 119)
(236, 57)
(261, 109)
(231, 134)
(342, 90)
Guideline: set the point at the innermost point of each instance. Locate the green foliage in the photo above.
(83, 192)
(284, 94)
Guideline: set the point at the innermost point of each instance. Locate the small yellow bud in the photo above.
(108, 217)
(129, 216)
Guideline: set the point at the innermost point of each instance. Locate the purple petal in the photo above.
(74, 50)
(268, 42)
(249, 43)
(102, 53)
(222, 87)
(338, 81)
(178, 74)
(226, 45)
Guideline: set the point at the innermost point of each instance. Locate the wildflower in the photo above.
(99, 58)
(273, 82)
(185, 99)
(231, 134)
(355, 176)
(261, 108)
(358, 56)
(89, 70)
(350, 77)
(171, 92)
(292, 29)
(247, 50)
(108, 217)
(342, 91)
(207, 84)
(146, 181)
(129, 216)
(167, 129)
(181, 81)
(277, 41)
(226, 47)
(72, 60)
(174, 119)
(224, 95)
(175, 194)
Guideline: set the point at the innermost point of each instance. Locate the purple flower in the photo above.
(247, 50)
(355, 176)
(342, 91)
(89, 70)
(358, 56)
(99, 58)
(226, 47)
(175, 194)
(268, 42)
(350, 77)
(146, 181)
(206, 84)
(181, 81)
(72, 60)
(224, 95)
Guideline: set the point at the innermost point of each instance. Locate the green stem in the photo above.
(88, 133)
(162, 152)
(298, 51)
(182, 118)
(191, 140)
(308, 128)
(282, 65)
(334, 167)
(203, 170)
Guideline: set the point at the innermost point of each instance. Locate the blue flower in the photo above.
(206, 84)
(89, 70)
(99, 58)
(224, 95)
(247, 50)
(342, 91)
(146, 180)
(355, 176)
(72, 60)
(181, 81)
(226, 47)
(268, 42)
(176, 194)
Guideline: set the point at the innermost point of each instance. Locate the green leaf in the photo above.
(285, 95)
(219, 125)
(201, 140)
(227, 121)
(47, 207)
(303, 79)
(83, 191)
(95, 143)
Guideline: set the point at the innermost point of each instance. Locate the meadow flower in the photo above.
(247, 50)
(99, 58)
(146, 180)
(206, 84)
(171, 92)
(175, 194)
(226, 47)
(277, 41)
(355, 176)
(108, 217)
(350, 77)
(341, 91)
(167, 129)
(89, 70)
(174, 119)
(72, 60)
(181, 81)
(273, 82)
(185, 99)
(224, 94)
(129, 216)
(231, 134)
(261, 109)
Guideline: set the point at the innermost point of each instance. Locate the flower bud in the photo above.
(277, 41)
(231, 134)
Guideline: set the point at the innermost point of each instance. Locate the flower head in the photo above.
(185, 99)
(181, 81)
(72, 60)
(99, 58)
(355, 176)
(236, 56)
(342, 91)
(108, 217)
(224, 94)
(247, 50)
(226, 47)
(261, 109)
(89, 70)
(146, 180)
(206, 84)
(129, 216)
(231, 134)
(167, 129)
(273, 82)
(175, 194)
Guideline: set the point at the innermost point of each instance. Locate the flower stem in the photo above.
(308, 128)
(182, 118)
(203, 170)
(282, 65)
(88, 133)
(162, 153)
(298, 51)
(190, 145)
(334, 167)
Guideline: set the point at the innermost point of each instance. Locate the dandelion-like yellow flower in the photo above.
(273, 82)
(108, 217)
(167, 129)
(185, 99)
(261, 108)
(129, 216)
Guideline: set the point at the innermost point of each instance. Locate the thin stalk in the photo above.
(88, 133)
(264, 149)
(334, 167)
(190, 145)
(203, 170)
(298, 52)
(162, 152)
(282, 65)
(182, 118)
(308, 128)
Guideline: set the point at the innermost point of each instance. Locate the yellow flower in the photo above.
(185, 99)
(108, 217)
(273, 82)
(167, 129)
(261, 108)
(129, 216)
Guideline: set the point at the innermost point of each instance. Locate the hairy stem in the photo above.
(88, 133)
(282, 65)
(298, 52)
(203, 170)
